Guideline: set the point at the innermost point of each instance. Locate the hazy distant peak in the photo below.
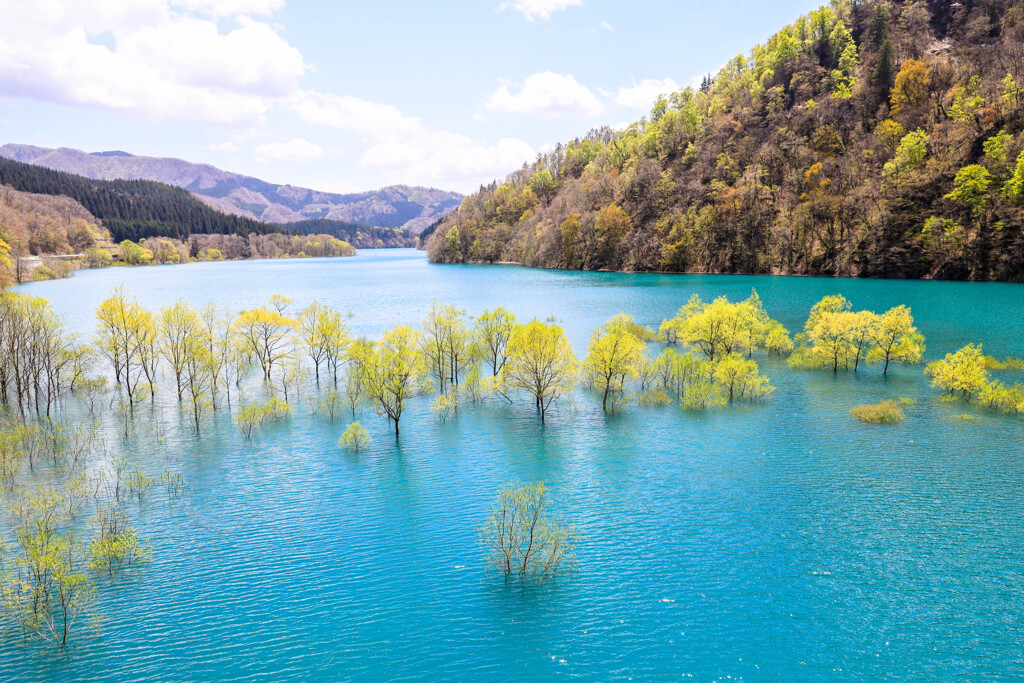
(395, 206)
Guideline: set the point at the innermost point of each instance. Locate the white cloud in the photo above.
(155, 58)
(546, 94)
(224, 62)
(642, 95)
(606, 26)
(290, 150)
(410, 150)
(440, 158)
(230, 8)
(370, 119)
(542, 9)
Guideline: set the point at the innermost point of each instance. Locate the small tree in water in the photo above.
(521, 538)
(355, 438)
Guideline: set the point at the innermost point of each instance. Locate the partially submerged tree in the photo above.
(541, 362)
(324, 338)
(355, 438)
(896, 339)
(266, 333)
(126, 337)
(523, 540)
(45, 590)
(492, 330)
(392, 371)
(613, 359)
(961, 372)
(447, 345)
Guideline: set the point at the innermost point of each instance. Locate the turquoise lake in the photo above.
(774, 541)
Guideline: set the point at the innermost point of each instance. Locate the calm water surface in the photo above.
(776, 542)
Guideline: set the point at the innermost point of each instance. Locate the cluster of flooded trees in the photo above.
(837, 337)
(64, 500)
(205, 354)
(66, 534)
(42, 361)
(706, 361)
(66, 524)
(706, 358)
(966, 374)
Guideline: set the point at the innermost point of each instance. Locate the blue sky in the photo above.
(348, 96)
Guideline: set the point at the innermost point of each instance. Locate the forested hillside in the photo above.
(136, 210)
(131, 209)
(396, 206)
(868, 138)
(359, 236)
(33, 224)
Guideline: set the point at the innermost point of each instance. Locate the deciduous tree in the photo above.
(541, 362)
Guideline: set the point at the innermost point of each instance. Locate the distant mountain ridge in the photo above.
(396, 206)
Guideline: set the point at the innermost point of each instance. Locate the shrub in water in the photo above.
(886, 412)
(355, 438)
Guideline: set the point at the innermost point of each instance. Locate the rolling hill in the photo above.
(396, 206)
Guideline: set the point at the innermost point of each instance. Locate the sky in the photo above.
(345, 96)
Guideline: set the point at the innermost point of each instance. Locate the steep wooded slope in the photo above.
(867, 138)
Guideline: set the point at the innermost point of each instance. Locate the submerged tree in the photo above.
(355, 438)
(324, 338)
(961, 372)
(740, 378)
(613, 359)
(493, 330)
(541, 362)
(392, 371)
(266, 333)
(45, 590)
(446, 344)
(523, 540)
(721, 327)
(896, 339)
(126, 337)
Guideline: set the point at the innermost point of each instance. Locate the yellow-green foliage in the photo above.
(446, 406)
(392, 371)
(722, 327)
(886, 412)
(961, 372)
(999, 396)
(703, 395)
(1009, 363)
(623, 322)
(44, 273)
(276, 409)
(541, 362)
(614, 357)
(699, 382)
(523, 539)
(252, 415)
(355, 438)
(116, 543)
(838, 337)
(739, 377)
